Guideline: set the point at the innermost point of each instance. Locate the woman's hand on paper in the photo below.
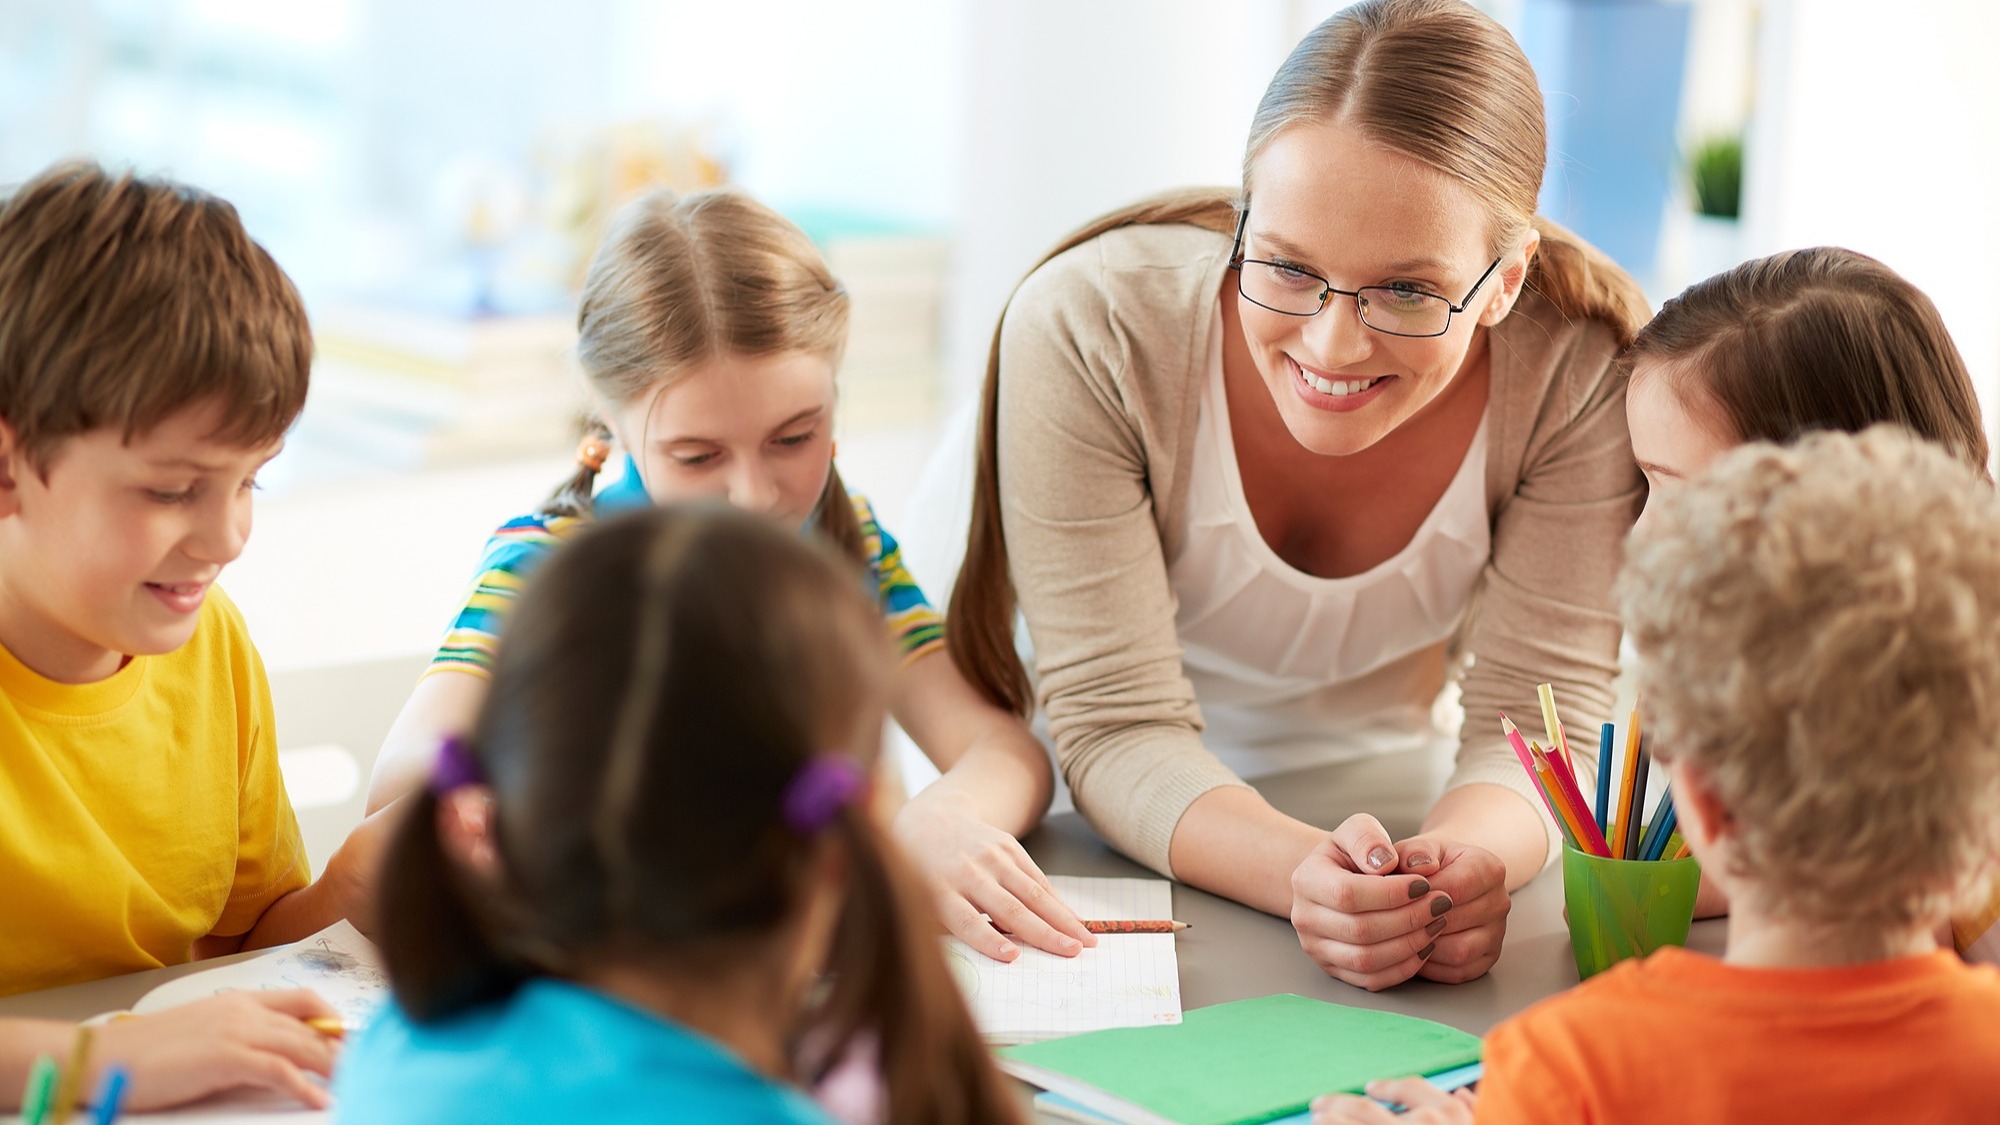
(227, 1042)
(1425, 1105)
(1359, 916)
(1476, 882)
(983, 882)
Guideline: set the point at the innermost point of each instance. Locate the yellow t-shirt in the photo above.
(140, 812)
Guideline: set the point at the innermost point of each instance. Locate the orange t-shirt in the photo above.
(1681, 1037)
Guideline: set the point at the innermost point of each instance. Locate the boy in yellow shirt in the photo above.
(151, 359)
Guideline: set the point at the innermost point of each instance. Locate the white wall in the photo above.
(1075, 108)
(1878, 129)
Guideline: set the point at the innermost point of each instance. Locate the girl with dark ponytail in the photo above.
(650, 884)
(710, 331)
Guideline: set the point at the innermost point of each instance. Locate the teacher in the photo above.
(1270, 468)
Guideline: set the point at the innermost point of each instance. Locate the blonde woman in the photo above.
(1264, 468)
(710, 331)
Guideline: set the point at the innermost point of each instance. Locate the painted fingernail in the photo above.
(1380, 857)
(1425, 953)
(1440, 904)
(1419, 889)
(1420, 860)
(1437, 927)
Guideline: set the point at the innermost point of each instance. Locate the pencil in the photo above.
(1662, 827)
(112, 1097)
(329, 1026)
(69, 1089)
(1520, 746)
(1124, 926)
(41, 1087)
(1604, 736)
(1547, 694)
(1625, 786)
(1635, 800)
(1683, 851)
(1589, 839)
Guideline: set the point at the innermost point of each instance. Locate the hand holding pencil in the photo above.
(264, 1040)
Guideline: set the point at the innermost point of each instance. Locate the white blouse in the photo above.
(1293, 670)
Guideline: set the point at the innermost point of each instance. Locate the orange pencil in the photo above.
(1547, 774)
(1590, 839)
(1625, 786)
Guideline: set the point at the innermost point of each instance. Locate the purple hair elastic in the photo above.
(823, 786)
(455, 767)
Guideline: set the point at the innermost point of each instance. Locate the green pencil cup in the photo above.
(1621, 908)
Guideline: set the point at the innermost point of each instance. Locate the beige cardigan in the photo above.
(1102, 354)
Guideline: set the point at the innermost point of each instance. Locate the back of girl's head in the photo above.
(680, 281)
(665, 680)
(1818, 339)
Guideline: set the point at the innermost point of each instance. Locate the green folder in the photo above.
(1238, 1063)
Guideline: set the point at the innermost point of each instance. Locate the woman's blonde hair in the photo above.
(683, 280)
(1815, 633)
(1816, 339)
(1436, 80)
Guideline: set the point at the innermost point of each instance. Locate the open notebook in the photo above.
(1127, 980)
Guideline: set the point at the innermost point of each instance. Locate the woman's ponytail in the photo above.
(1583, 283)
(981, 614)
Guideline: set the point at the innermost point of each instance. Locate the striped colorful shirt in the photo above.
(521, 544)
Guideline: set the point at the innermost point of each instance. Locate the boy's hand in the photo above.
(237, 1039)
(1427, 1105)
(1360, 916)
(978, 872)
(1476, 881)
(354, 870)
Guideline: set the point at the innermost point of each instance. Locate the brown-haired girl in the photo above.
(1246, 459)
(612, 901)
(1822, 339)
(710, 331)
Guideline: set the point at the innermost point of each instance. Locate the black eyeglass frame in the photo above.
(1327, 290)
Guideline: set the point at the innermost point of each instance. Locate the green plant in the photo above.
(1716, 167)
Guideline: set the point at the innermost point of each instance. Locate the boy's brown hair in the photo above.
(1816, 633)
(124, 300)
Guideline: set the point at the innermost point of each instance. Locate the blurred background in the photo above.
(434, 173)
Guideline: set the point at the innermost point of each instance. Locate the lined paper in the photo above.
(1127, 980)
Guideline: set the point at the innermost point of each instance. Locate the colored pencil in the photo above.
(1589, 839)
(1521, 751)
(69, 1086)
(1683, 851)
(1662, 827)
(112, 1097)
(1637, 802)
(41, 1088)
(1557, 743)
(1572, 831)
(1604, 736)
(1625, 787)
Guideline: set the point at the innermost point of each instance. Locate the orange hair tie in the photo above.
(592, 452)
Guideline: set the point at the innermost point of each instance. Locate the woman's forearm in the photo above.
(1231, 842)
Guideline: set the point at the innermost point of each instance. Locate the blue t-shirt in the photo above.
(553, 1051)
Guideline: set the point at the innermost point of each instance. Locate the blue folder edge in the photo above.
(1058, 1106)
